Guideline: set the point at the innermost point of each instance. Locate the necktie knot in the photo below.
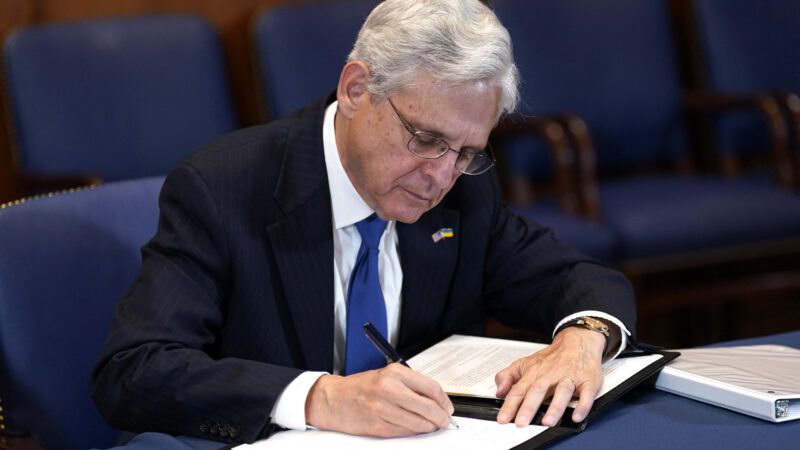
(371, 230)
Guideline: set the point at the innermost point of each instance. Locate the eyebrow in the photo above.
(429, 130)
(404, 118)
(440, 135)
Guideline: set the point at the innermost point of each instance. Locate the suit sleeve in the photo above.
(532, 280)
(156, 372)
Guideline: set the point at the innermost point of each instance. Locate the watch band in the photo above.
(591, 323)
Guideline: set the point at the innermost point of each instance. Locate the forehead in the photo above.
(453, 111)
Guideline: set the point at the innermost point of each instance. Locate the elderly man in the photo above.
(276, 243)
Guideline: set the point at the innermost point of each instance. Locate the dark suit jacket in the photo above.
(235, 295)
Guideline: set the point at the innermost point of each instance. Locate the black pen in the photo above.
(388, 351)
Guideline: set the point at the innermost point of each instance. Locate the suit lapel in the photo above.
(428, 269)
(303, 241)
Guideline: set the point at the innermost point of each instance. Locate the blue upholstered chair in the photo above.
(116, 98)
(614, 65)
(301, 49)
(750, 48)
(536, 162)
(65, 261)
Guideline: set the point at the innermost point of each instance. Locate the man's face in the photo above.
(394, 182)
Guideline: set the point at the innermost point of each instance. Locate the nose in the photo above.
(441, 170)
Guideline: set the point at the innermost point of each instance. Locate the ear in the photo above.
(352, 90)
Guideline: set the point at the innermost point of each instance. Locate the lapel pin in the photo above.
(442, 233)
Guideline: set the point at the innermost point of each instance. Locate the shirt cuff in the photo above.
(600, 315)
(289, 410)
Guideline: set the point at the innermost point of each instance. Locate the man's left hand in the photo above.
(569, 367)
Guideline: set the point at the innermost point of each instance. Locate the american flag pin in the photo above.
(442, 233)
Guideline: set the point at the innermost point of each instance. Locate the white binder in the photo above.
(760, 380)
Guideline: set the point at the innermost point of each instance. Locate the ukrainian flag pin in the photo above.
(442, 233)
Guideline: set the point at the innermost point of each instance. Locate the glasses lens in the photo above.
(474, 163)
(427, 146)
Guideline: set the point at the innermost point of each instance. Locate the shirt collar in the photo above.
(348, 207)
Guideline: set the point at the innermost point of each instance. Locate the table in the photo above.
(652, 419)
(642, 418)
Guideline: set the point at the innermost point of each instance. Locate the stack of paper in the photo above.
(759, 380)
(466, 365)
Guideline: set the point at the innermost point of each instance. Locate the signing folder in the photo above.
(465, 367)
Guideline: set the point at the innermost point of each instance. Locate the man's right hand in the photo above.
(389, 402)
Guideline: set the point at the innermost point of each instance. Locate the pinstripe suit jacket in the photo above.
(235, 295)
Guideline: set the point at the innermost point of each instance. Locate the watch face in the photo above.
(591, 322)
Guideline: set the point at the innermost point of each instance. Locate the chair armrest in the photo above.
(38, 184)
(586, 165)
(791, 101)
(552, 132)
(18, 443)
(769, 109)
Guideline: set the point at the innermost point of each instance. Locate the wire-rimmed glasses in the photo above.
(429, 146)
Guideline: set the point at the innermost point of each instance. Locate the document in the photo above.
(758, 380)
(472, 433)
(466, 365)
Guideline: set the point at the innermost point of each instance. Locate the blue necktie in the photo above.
(365, 300)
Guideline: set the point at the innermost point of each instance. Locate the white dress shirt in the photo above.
(348, 209)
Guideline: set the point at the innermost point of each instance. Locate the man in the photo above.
(239, 323)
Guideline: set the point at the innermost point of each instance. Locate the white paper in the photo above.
(466, 365)
(472, 433)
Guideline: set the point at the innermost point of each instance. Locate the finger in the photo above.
(511, 404)
(387, 429)
(428, 410)
(419, 395)
(410, 422)
(588, 392)
(561, 398)
(411, 412)
(533, 400)
(425, 387)
(505, 379)
(517, 395)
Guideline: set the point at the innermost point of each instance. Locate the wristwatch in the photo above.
(590, 323)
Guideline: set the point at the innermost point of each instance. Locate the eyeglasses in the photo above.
(429, 146)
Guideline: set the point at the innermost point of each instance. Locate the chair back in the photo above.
(612, 63)
(65, 261)
(301, 50)
(750, 46)
(747, 47)
(118, 98)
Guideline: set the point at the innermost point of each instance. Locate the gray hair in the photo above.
(453, 41)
